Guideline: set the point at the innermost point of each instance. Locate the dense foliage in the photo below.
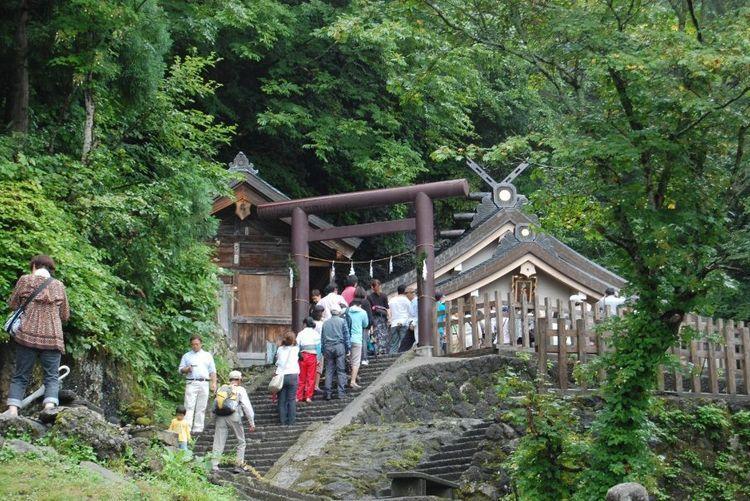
(117, 114)
(642, 138)
(111, 171)
(700, 449)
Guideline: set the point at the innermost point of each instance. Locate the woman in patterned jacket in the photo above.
(40, 334)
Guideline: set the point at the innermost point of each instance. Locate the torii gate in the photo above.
(420, 195)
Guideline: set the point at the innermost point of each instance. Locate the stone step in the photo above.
(254, 489)
(286, 440)
(452, 477)
(250, 449)
(475, 432)
(467, 441)
(459, 446)
(262, 463)
(439, 471)
(263, 451)
(438, 463)
(314, 409)
(263, 434)
(457, 454)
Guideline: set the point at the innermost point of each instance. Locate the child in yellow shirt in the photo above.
(181, 427)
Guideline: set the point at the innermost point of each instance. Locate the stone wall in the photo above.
(461, 389)
(96, 378)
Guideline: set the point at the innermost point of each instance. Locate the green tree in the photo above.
(642, 143)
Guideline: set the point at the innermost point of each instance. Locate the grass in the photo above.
(31, 477)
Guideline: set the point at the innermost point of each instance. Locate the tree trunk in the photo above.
(18, 104)
(88, 126)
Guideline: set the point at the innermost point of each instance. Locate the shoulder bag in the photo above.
(13, 323)
(277, 381)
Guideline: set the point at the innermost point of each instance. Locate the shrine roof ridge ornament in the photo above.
(242, 164)
(504, 193)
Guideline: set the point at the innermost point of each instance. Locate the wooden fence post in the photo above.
(581, 340)
(499, 318)
(562, 348)
(660, 377)
(448, 326)
(461, 325)
(474, 323)
(524, 321)
(731, 363)
(695, 359)
(436, 331)
(677, 350)
(746, 356)
(512, 334)
(599, 337)
(541, 345)
(487, 309)
(713, 376)
(535, 307)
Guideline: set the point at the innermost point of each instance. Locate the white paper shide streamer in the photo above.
(390, 264)
(351, 268)
(424, 270)
(371, 273)
(333, 271)
(291, 277)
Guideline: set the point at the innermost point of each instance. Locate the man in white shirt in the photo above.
(400, 308)
(412, 335)
(332, 299)
(609, 304)
(233, 421)
(199, 369)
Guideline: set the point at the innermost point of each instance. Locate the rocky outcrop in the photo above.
(629, 491)
(107, 440)
(21, 426)
(22, 447)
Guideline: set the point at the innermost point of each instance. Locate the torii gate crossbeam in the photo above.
(420, 195)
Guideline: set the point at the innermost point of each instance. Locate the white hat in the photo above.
(235, 375)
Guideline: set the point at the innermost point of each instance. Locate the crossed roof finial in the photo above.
(503, 193)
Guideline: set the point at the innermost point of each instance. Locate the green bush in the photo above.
(741, 424)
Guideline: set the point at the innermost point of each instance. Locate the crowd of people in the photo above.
(342, 332)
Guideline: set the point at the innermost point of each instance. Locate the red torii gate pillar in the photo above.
(420, 195)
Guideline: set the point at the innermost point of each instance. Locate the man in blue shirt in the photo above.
(357, 321)
(199, 370)
(335, 341)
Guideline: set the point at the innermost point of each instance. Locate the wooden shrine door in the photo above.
(262, 313)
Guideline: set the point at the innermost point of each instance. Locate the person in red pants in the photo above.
(308, 341)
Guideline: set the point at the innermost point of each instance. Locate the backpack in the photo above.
(227, 401)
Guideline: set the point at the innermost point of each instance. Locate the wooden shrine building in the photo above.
(502, 251)
(256, 296)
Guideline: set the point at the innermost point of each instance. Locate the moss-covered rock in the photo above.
(107, 440)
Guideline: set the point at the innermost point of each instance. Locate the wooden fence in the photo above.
(717, 362)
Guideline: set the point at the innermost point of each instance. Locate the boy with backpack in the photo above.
(230, 405)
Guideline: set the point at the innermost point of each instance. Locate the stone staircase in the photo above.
(270, 439)
(453, 459)
(257, 490)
